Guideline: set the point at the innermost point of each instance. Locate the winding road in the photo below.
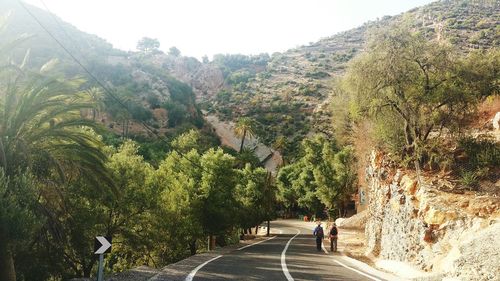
(289, 254)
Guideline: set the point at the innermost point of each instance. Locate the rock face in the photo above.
(454, 235)
(480, 256)
(496, 121)
(225, 130)
(205, 79)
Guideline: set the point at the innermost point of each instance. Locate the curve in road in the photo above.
(284, 257)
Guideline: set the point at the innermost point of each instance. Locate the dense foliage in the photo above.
(322, 178)
(414, 90)
(75, 188)
(64, 179)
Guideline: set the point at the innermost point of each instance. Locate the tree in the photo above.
(178, 180)
(96, 97)
(41, 133)
(173, 51)
(18, 218)
(200, 189)
(148, 45)
(129, 210)
(423, 84)
(256, 195)
(244, 127)
(247, 156)
(281, 144)
(324, 176)
(216, 195)
(336, 177)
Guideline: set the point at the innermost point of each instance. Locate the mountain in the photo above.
(287, 93)
(151, 96)
(42, 47)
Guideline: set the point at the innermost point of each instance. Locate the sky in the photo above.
(208, 27)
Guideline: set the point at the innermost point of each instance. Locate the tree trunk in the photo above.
(192, 247)
(243, 140)
(268, 227)
(7, 270)
(408, 135)
(256, 229)
(249, 230)
(128, 125)
(211, 242)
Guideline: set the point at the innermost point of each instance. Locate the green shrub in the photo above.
(317, 75)
(239, 77)
(481, 153)
(469, 179)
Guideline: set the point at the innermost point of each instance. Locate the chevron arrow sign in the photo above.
(102, 245)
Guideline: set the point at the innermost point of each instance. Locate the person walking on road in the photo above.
(333, 238)
(319, 234)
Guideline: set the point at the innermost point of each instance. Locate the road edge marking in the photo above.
(357, 271)
(193, 273)
(323, 246)
(360, 272)
(239, 249)
(283, 258)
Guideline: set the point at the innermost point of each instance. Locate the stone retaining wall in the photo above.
(436, 231)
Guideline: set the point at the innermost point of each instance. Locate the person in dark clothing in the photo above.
(319, 234)
(333, 238)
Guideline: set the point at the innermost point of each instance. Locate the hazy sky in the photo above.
(207, 27)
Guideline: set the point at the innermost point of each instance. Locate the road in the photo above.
(290, 254)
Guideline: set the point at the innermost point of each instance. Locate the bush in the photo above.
(480, 153)
(239, 77)
(140, 113)
(180, 92)
(469, 179)
(317, 75)
(177, 113)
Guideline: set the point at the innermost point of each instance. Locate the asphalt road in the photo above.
(288, 255)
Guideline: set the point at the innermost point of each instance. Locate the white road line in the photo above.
(255, 243)
(193, 273)
(362, 273)
(355, 270)
(283, 258)
(323, 247)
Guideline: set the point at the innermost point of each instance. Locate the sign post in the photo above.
(102, 245)
(101, 268)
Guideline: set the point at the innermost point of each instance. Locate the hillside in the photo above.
(42, 48)
(153, 105)
(287, 93)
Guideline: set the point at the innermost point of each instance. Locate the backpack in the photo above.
(319, 232)
(334, 231)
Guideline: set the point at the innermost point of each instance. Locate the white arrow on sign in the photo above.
(105, 245)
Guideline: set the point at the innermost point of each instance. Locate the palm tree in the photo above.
(42, 133)
(244, 127)
(247, 155)
(280, 145)
(95, 95)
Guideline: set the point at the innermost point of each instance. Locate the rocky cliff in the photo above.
(449, 235)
